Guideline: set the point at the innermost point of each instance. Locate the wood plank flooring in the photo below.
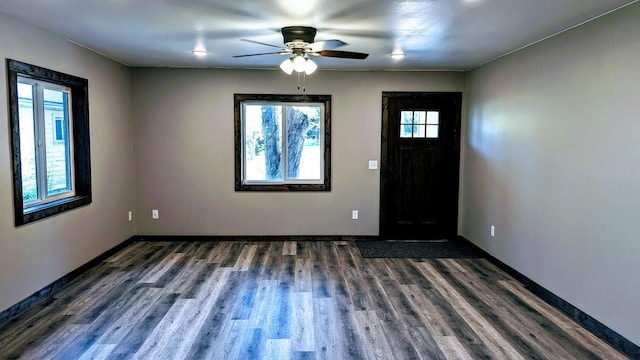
(292, 300)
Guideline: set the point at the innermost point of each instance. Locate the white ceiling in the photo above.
(434, 34)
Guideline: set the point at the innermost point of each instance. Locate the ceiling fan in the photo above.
(299, 44)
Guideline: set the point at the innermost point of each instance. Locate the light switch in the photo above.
(373, 164)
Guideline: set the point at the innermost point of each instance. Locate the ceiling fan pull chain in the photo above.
(301, 86)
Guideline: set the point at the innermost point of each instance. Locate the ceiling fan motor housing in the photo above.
(303, 34)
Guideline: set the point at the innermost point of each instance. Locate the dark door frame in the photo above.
(452, 208)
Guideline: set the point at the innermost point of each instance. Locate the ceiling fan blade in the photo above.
(269, 53)
(261, 43)
(326, 45)
(343, 54)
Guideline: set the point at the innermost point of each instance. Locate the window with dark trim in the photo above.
(282, 142)
(49, 122)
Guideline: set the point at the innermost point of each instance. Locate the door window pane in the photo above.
(432, 131)
(406, 131)
(406, 124)
(433, 117)
(433, 124)
(418, 131)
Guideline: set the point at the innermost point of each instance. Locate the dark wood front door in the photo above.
(419, 165)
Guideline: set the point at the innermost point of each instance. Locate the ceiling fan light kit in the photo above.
(287, 66)
(310, 67)
(298, 63)
(299, 44)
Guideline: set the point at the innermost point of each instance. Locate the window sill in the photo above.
(41, 211)
(284, 187)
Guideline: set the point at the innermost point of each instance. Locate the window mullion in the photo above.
(413, 124)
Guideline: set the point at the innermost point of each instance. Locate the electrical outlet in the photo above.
(130, 215)
(154, 214)
(354, 214)
(373, 164)
(492, 230)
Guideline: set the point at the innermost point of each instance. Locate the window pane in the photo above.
(433, 117)
(27, 143)
(304, 157)
(58, 157)
(419, 117)
(432, 131)
(418, 131)
(433, 121)
(406, 131)
(262, 143)
(406, 117)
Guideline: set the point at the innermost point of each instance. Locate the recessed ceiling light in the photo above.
(397, 55)
(199, 52)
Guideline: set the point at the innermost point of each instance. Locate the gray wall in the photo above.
(551, 159)
(185, 151)
(36, 254)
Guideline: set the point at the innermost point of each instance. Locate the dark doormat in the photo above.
(438, 249)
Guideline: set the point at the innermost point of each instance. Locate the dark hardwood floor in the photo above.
(292, 300)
